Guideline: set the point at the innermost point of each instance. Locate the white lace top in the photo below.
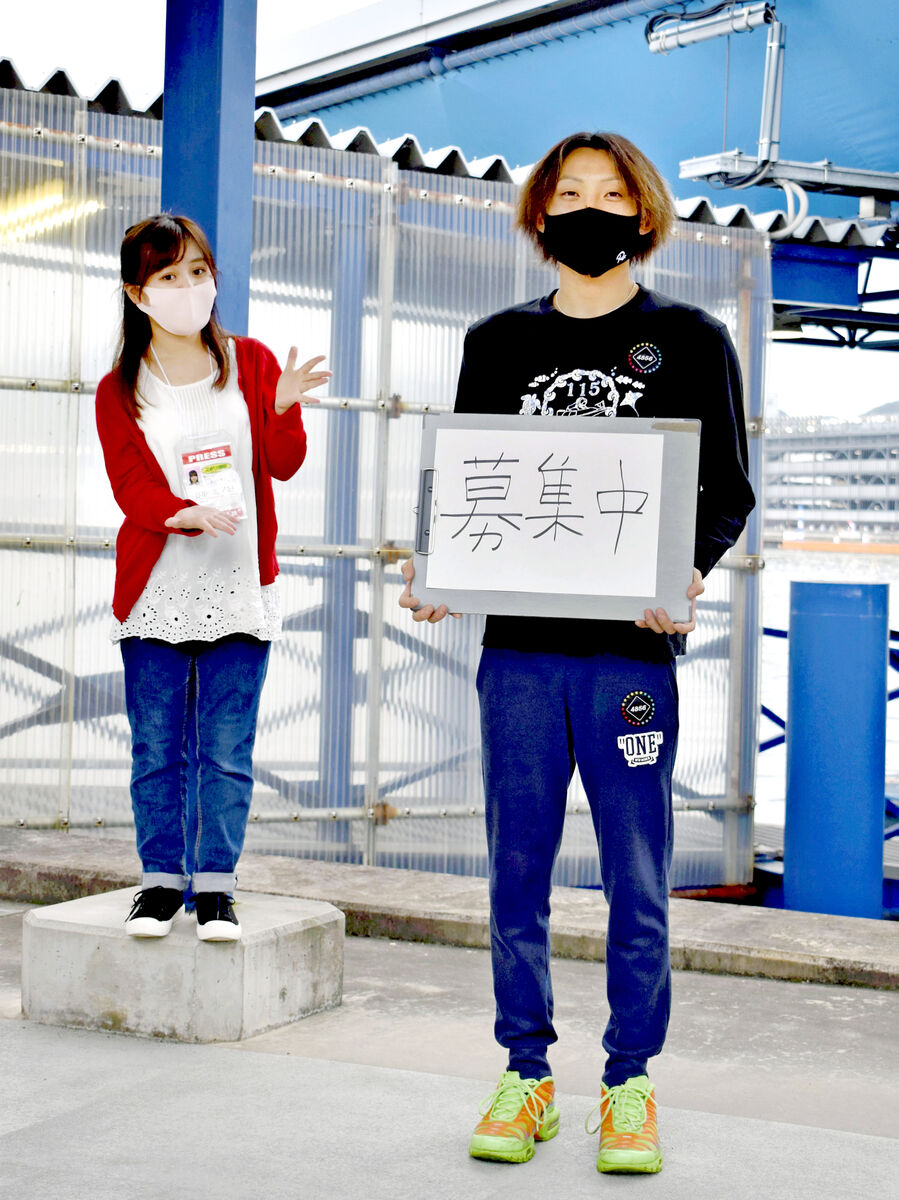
(201, 588)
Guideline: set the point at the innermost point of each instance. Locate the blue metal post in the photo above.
(836, 748)
(208, 134)
(341, 495)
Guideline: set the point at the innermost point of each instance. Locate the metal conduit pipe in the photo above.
(383, 815)
(440, 64)
(287, 547)
(797, 209)
(772, 93)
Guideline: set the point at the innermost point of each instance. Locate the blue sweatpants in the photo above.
(541, 714)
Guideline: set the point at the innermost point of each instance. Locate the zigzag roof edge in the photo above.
(358, 140)
(438, 158)
(9, 76)
(405, 151)
(59, 84)
(811, 230)
(493, 167)
(843, 232)
(311, 132)
(308, 132)
(268, 127)
(113, 93)
(695, 208)
(766, 222)
(733, 216)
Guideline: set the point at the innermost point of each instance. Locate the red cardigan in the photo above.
(141, 490)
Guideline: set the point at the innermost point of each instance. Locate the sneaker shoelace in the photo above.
(510, 1096)
(140, 900)
(628, 1104)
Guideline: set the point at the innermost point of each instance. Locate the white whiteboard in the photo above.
(576, 517)
(585, 511)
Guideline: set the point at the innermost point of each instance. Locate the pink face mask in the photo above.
(180, 310)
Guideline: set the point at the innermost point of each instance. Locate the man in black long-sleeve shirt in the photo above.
(602, 694)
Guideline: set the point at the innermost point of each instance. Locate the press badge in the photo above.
(210, 476)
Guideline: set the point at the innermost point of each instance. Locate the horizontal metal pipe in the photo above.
(404, 192)
(396, 406)
(440, 64)
(741, 562)
(54, 541)
(686, 33)
(26, 383)
(425, 812)
(88, 140)
(389, 552)
(285, 549)
(823, 176)
(271, 170)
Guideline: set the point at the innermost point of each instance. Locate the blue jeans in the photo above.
(541, 714)
(204, 694)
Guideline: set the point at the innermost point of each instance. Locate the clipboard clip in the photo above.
(426, 512)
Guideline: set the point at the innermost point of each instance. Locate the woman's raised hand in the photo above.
(296, 381)
(204, 518)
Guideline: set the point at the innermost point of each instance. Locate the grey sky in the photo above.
(97, 40)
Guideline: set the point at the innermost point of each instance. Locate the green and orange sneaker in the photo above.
(518, 1113)
(628, 1133)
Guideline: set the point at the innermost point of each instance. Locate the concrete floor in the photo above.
(809, 1054)
(765, 1088)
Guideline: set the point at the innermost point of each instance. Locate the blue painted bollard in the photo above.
(836, 748)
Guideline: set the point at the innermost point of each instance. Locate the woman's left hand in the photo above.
(296, 381)
(660, 622)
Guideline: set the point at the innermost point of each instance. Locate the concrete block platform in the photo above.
(80, 968)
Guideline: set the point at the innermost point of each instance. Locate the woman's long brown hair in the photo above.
(148, 247)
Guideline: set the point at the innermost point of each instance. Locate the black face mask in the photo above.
(592, 241)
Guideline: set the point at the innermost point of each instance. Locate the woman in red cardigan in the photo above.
(194, 425)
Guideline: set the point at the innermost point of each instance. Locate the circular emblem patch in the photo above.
(638, 708)
(645, 358)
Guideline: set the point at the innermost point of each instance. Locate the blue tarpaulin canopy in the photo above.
(841, 91)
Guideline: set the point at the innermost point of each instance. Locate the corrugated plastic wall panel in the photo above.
(368, 744)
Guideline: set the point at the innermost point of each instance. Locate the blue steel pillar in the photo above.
(836, 748)
(209, 99)
(341, 493)
(208, 135)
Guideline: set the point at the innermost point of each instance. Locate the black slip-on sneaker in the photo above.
(216, 921)
(153, 912)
